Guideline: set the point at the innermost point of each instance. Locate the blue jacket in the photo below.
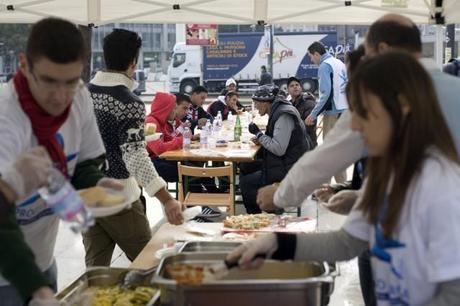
(325, 89)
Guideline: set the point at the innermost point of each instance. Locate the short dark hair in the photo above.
(121, 48)
(199, 89)
(181, 98)
(317, 46)
(58, 40)
(394, 34)
(263, 68)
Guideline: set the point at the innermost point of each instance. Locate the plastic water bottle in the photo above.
(204, 137)
(186, 139)
(64, 200)
(218, 119)
(231, 119)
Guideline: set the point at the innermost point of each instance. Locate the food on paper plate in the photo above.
(99, 197)
(150, 129)
(249, 222)
(116, 296)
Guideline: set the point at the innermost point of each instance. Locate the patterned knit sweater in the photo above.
(120, 116)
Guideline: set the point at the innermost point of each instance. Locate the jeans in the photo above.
(9, 296)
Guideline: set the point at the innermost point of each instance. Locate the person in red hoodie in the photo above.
(164, 110)
(167, 111)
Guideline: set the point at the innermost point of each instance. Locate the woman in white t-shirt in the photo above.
(409, 211)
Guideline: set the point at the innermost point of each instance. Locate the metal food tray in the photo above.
(209, 246)
(100, 276)
(275, 283)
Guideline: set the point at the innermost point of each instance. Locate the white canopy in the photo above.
(99, 12)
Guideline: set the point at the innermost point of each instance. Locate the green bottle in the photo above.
(238, 129)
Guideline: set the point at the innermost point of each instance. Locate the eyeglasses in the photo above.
(54, 85)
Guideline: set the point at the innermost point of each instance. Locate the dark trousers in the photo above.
(249, 184)
(167, 169)
(365, 279)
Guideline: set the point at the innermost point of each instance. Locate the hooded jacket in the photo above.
(162, 106)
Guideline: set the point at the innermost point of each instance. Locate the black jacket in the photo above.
(276, 167)
(305, 104)
(196, 113)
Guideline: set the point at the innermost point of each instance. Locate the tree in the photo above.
(13, 40)
(14, 36)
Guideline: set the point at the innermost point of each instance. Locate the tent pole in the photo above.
(87, 31)
(269, 29)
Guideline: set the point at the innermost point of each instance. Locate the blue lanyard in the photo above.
(381, 243)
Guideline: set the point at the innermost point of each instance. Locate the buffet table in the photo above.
(168, 233)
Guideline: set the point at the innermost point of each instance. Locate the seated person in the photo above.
(283, 143)
(166, 112)
(304, 102)
(196, 115)
(231, 86)
(225, 104)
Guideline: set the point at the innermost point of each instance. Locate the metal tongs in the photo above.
(135, 277)
(221, 269)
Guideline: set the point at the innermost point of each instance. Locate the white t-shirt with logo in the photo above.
(81, 141)
(427, 238)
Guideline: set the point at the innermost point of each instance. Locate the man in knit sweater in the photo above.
(120, 116)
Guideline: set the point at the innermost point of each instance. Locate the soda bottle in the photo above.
(238, 129)
(186, 139)
(64, 200)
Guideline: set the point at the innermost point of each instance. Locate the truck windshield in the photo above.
(178, 59)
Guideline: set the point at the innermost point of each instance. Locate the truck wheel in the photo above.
(187, 86)
(309, 85)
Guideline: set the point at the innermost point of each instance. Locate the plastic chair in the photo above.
(207, 199)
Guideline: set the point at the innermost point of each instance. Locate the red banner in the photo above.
(201, 34)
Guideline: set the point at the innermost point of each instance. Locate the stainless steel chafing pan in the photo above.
(275, 283)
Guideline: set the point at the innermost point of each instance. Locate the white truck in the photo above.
(240, 55)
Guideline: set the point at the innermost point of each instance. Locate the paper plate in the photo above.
(153, 137)
(113, 209)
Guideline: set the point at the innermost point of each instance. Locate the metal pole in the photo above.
(269, 30)
(439, 46)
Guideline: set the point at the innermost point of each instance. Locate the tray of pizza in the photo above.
(268, 223)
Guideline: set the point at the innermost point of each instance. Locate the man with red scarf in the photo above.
(46, 104)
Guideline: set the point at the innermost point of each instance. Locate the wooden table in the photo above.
(217, 154)
(167, 233)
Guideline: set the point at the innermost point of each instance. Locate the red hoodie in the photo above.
(161, 107)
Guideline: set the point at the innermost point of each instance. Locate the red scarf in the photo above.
(44, 125)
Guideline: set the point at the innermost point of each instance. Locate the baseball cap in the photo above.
(292, 79)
